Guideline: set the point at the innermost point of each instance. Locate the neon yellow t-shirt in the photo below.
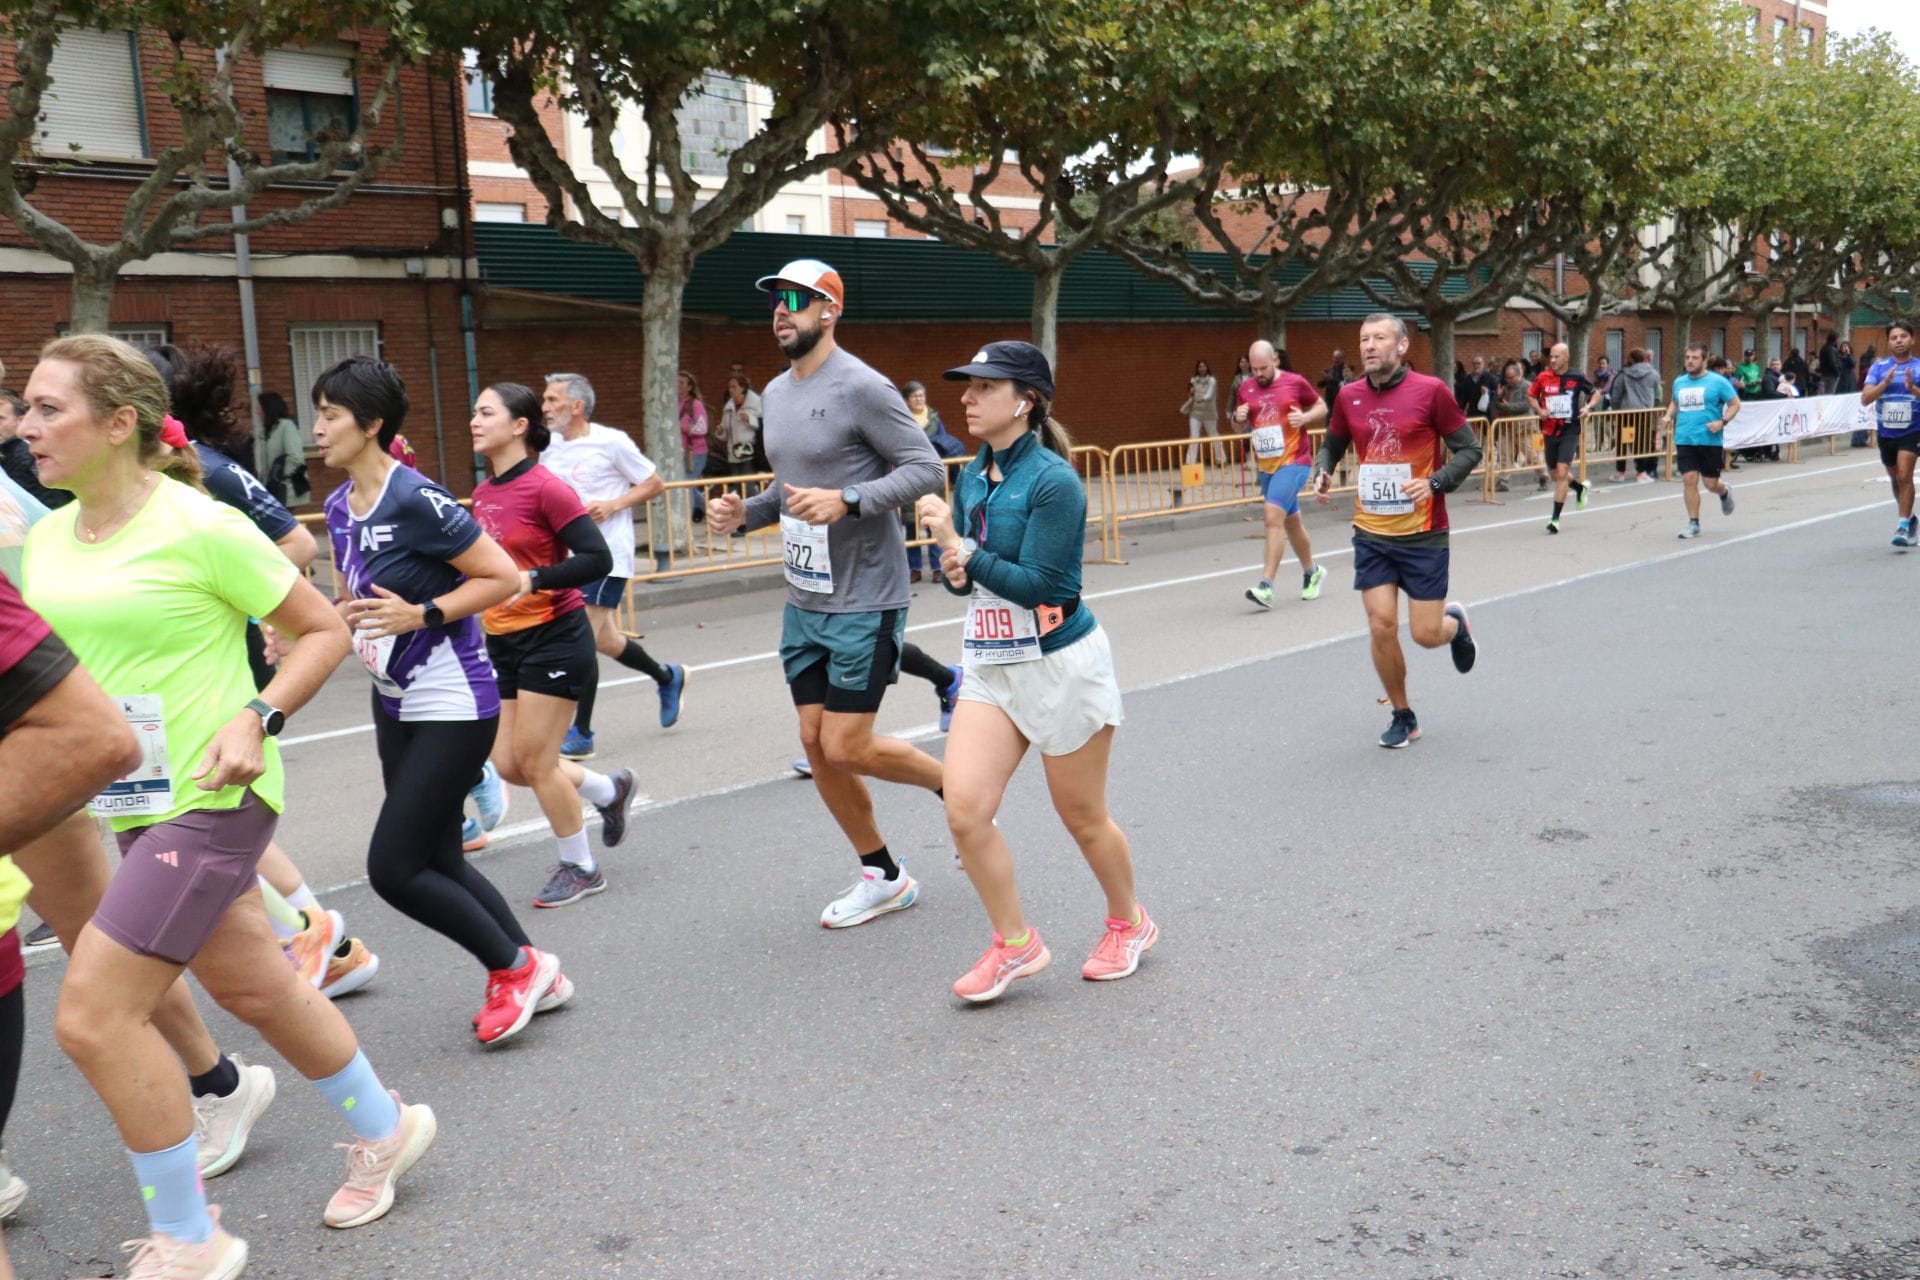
(157, 614)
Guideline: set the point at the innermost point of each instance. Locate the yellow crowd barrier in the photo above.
(1623, 435)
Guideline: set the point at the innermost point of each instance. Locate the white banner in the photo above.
(1767, 422)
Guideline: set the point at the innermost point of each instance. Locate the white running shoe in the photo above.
(221, 1125)
(13, 1189)
(872, 895)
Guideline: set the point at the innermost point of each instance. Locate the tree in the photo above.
(838, 72)
(1090, 113)
(212, 169)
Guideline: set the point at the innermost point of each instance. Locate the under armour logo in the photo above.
(170, 857)
(818, 414)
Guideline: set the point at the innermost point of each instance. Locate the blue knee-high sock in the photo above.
(171, 1192)
(362, 1099)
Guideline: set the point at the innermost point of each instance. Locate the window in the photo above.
(1800, 340)
(92, 108)
(1774, 339)
(1532, 341)
(1616, 347)
(317, 348)
(796, 224)
(1653, 348)
(494, 211)
(1717, 342)
(713, 123)
(870, 228)
(310, 93)
(1779, 31)
(479, 87)
(139, 335)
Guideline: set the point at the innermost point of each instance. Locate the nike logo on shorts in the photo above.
(555, 675)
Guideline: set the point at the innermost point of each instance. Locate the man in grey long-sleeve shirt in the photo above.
(846, 456)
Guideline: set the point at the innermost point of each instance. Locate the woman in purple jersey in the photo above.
(418, 570)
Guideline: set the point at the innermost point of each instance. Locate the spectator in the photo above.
(1465, 393)
(1858, 440)
(944, 444)
(1803, 376)
(1746, 378)
(1240, 374)
(283, 452)
(1844, 382)
(740, 425)
(1536, 365)
(1770, 380)
(1637, 386)
(1789, 387)
(1335, 377)
(1202, 408)
(1603, 374)
(16, 459)
(738, 369)
(693, 438)
(1827, 363)
(1486, 385)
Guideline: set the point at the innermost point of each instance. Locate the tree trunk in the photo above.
(660, 315)
(1046, 316)
(1580, 340)
(1682, 335)
(92, 295)
(1440, 324)
(1270, 322)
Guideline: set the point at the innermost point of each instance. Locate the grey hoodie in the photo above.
(1635, 387)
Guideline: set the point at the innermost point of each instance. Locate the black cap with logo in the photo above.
(1021, 361)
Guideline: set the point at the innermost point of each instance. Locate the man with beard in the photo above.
(1280, 409)
(846, 456)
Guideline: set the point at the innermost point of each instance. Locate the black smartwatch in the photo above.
(851, 496)
(272, 719)
(432, 617)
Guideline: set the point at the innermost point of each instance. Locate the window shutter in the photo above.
(93, 105)
(317, 348)
(308, 71)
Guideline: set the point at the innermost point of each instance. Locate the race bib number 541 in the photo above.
(1383, 488)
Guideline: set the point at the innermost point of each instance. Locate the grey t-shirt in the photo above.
(847, 425)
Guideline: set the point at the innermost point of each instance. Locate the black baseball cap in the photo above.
(1021, 361)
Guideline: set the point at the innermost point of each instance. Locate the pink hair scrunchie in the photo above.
(172, 432)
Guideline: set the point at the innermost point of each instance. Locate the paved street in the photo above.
(1612, 974)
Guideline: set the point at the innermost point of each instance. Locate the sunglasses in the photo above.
(794, 300)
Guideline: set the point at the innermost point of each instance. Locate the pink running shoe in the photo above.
(161, 1257)
(373, 1167)
(996, 970)
(1118, 952)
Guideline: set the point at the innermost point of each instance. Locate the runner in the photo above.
(1279, 407)
(1399, 420)
(58, 728)
(1891, 387)
(150, 583)
(612, 477)
(1703, 404)
(915, 661)
(539, 639)
(418, 569)
(1558, 399)
(200, 386)
(846, 456)
(1040, 670)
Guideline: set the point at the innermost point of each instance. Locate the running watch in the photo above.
(851, 496)
(431, 616)
(272, 719)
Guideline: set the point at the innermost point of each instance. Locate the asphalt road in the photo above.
(1614, 973)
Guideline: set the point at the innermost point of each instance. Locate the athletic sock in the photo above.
(1556, 509)
(1266, 584)
(634, 658)
(596, 788)
(881, 861)
(217, 1083)
(916, 661)
(365, 1103)
(574, 849)
(281, 913)
(171, 1193)
(1020, 941)
(583, 711)
(302, 899)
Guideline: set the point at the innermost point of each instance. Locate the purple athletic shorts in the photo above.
(177, 878)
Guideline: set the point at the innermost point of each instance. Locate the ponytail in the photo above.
(1052, 432)
(177, 464)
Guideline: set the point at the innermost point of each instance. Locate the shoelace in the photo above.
(1111, 946)
(151, 1260)
(203, 1109)
(363, 1163)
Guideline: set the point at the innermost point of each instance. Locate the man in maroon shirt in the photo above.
(1558, 397)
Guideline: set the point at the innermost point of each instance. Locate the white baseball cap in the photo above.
(808, 273)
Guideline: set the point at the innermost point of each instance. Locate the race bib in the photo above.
(376, 655)
(997, 632)
(1269, 442)
(809, 566)
(1560, 406)
(1382, 488)
(1896, 413)
(148, 789)
(1691, 398)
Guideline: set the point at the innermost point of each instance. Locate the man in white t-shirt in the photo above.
(612, 477)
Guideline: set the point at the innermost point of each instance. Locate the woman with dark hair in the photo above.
(539, 638)
(1202, 410)
(1039, 668)
(283, 452)
(417, 570)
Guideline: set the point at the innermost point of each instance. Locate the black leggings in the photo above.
(13, 1034)
(414, 862)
